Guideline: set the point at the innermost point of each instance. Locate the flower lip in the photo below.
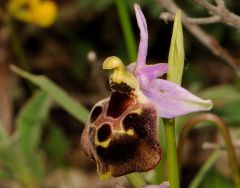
(95, 113)
(104, 132)
(119, 102)
(127, 153)
(124, 144)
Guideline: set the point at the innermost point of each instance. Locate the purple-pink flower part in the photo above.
(171, 100)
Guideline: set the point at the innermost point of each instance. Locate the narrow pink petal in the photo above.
(163, 185)
(143, 45)
(148, 73)
(154, 71)
(172, 100)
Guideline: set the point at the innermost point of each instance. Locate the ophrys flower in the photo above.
(121, 133)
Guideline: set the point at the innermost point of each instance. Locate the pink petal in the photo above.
(172, 100)
(151, 72)
(143, 45)
(148, 73)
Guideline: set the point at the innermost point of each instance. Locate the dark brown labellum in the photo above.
(121, 135)
(95, 113)
(104, 132)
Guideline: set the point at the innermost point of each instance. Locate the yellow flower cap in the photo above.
(120, 73)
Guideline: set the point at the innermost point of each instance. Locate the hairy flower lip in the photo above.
(132, 145)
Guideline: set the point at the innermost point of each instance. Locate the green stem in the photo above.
(173, 174)
(159, 176)
(127, 29)
(136, 180)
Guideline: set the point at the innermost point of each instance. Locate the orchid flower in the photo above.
(121, 132)
(38, 12)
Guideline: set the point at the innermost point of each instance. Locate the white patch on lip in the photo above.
(141, 97)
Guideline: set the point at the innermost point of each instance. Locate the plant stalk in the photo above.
(173, 174)
(136, 180)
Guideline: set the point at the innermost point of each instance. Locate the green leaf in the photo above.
(66, 102)
(37, 166)
(221, 94)
(30, 121)
(230, 112)
(20, 166)
(12, 159)
(56, 146)
(18, 155)
(176, 52)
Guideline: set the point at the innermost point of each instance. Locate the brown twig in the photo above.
(209, 41)
(220, 3)
(209, 20)
(220, 10)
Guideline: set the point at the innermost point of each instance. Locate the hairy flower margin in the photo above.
(42, 13)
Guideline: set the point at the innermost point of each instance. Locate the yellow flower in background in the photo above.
(38, 12)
